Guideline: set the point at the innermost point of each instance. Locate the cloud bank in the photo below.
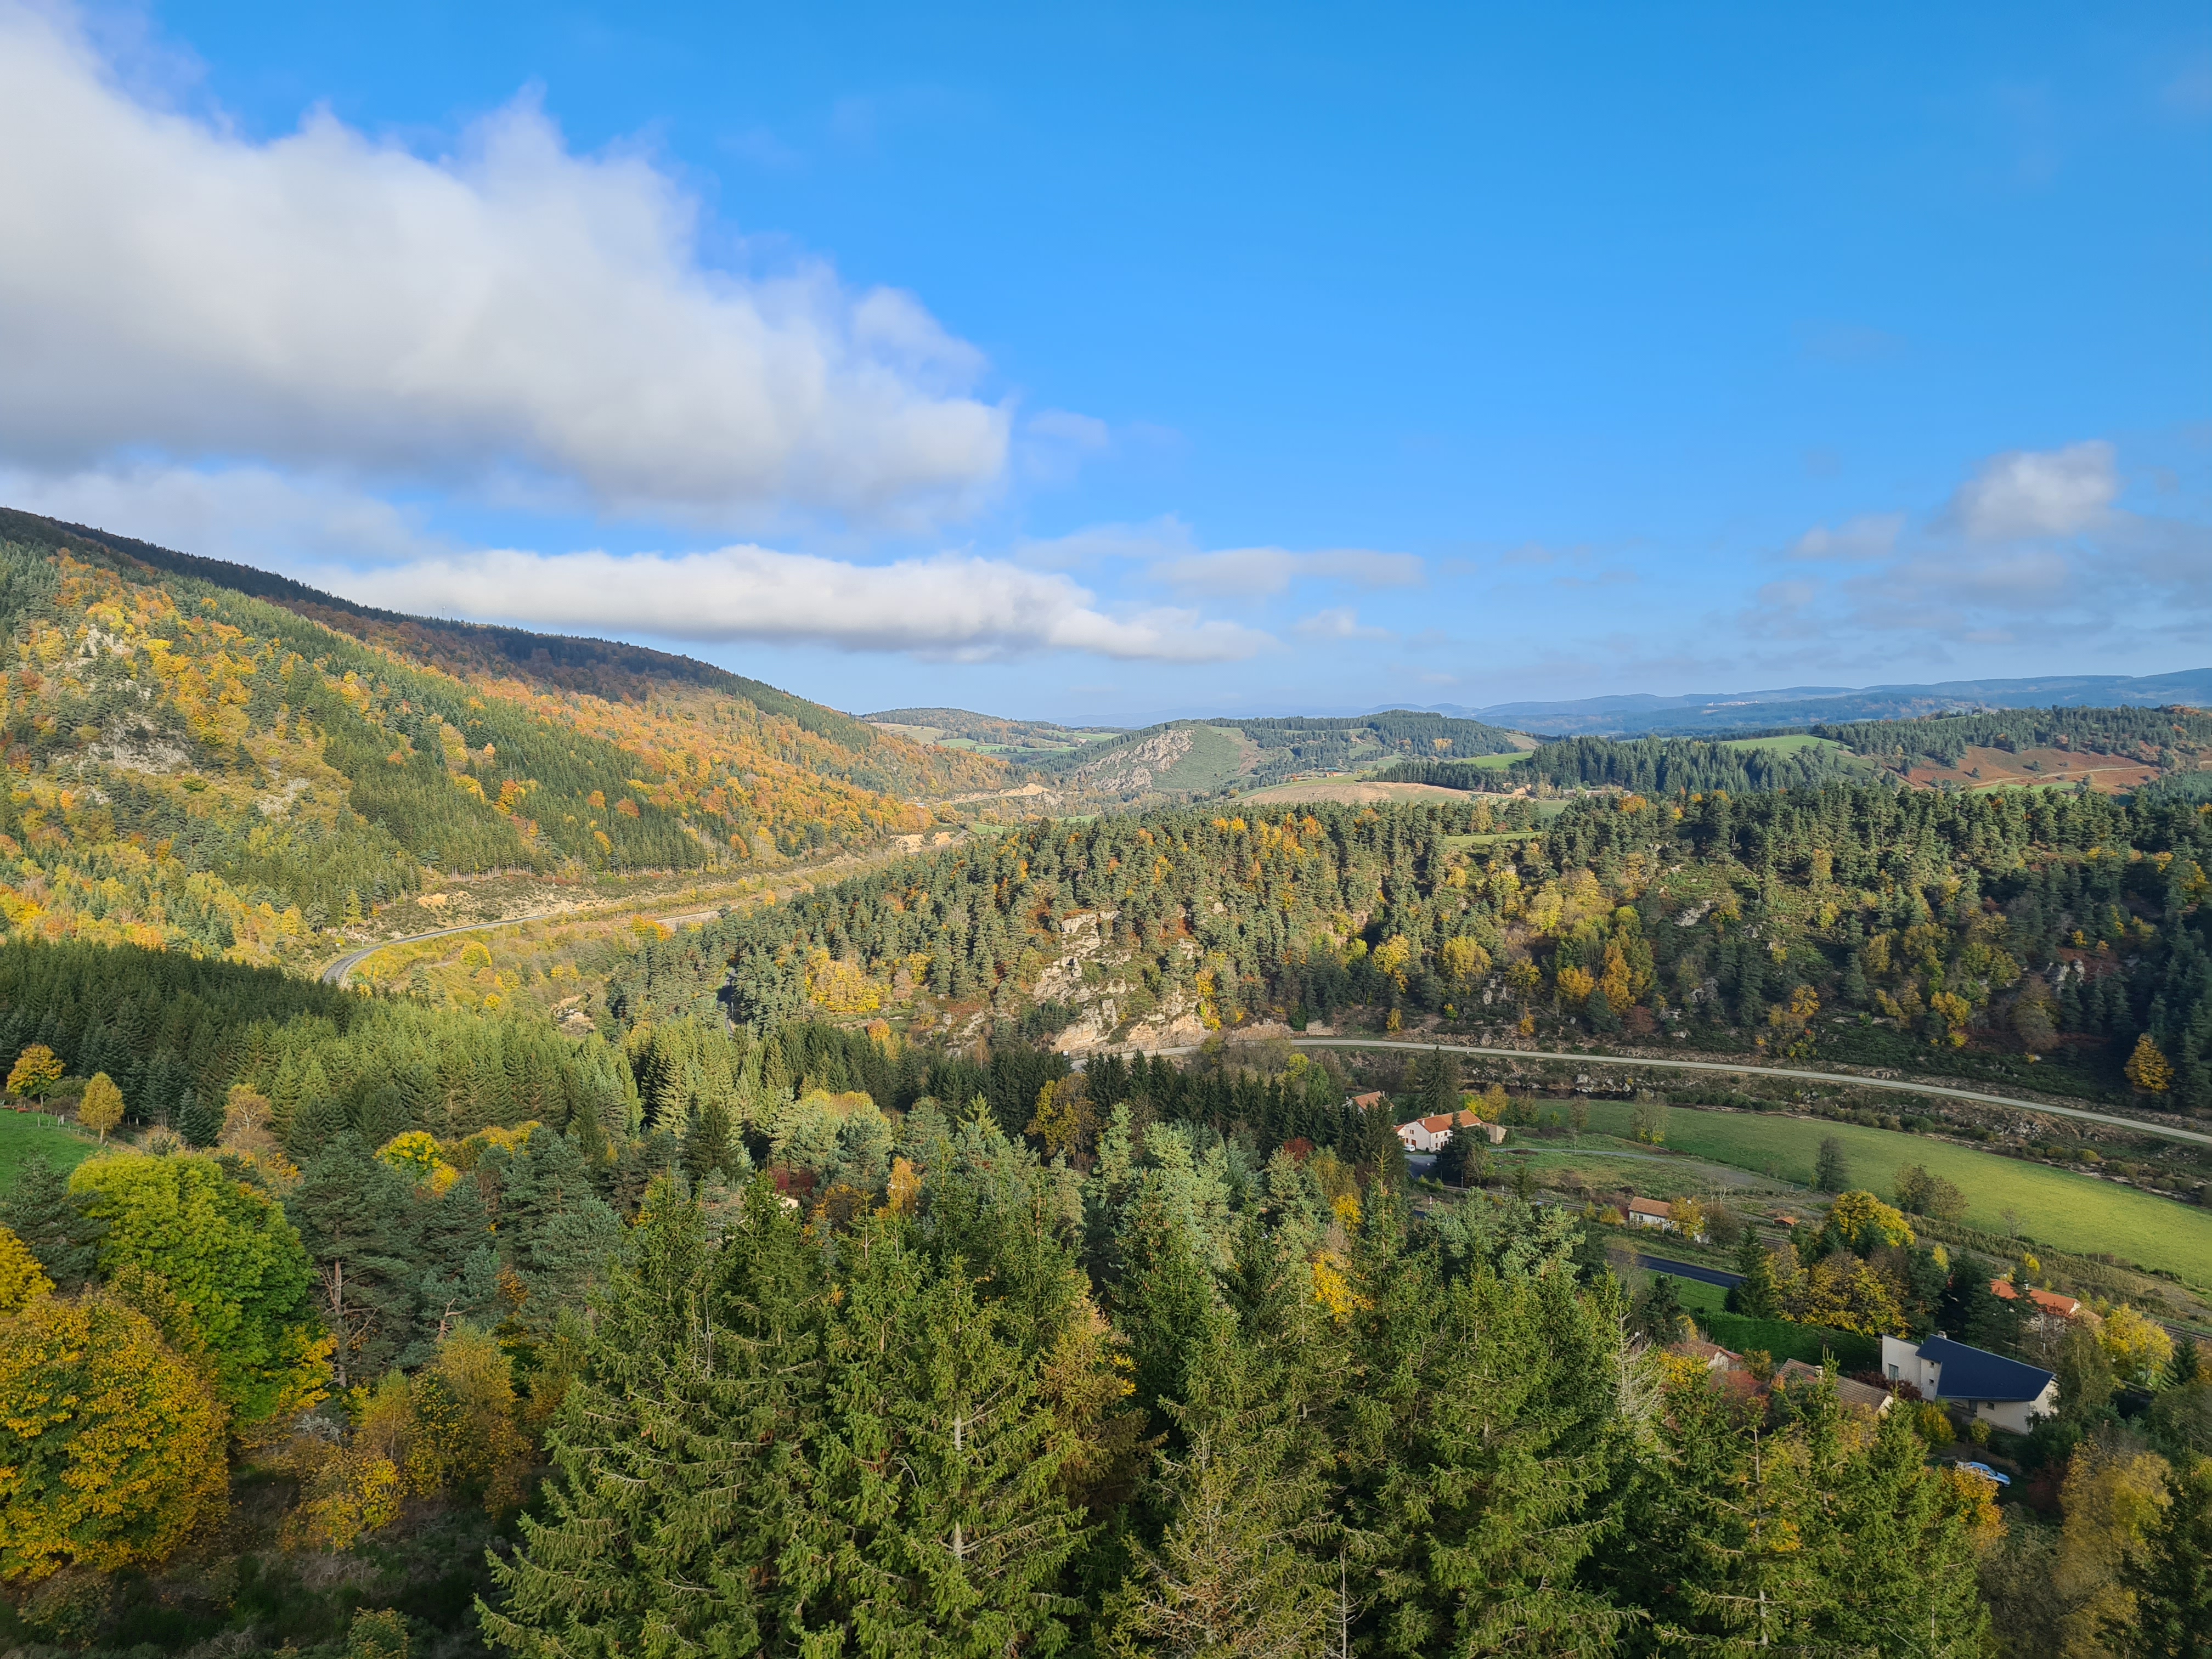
(514, 314)
(952, 606)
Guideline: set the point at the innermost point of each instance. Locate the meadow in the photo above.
(2074, 1212)
(25, 1136)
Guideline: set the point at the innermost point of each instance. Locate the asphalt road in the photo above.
(1739, 1070)
(1658, 1264)
(339, 971)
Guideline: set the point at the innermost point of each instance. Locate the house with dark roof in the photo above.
(2005, 1393)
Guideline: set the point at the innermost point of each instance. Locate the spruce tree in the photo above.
(55, 1225)
(356, 1217)
(677, 1519)
(939, 1516)
(1486, 1447)
(1244, 1566)
(1755, 1296)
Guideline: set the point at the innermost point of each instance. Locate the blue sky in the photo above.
(1104, 364)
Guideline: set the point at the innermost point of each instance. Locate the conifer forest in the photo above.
(961, 1258)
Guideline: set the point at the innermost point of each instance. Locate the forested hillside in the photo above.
(200, 768)
(1181, 759)
(1856, 919)
(1650, 766)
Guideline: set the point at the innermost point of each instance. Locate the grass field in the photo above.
(1494, 838)
(1216, 756)
(2074, 1212)
(1646, 1177)
(23, 1138)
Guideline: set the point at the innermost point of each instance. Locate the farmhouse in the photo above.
(1426, 1134)
(2047, 1310)
(1650, 1213)
(2002, 1392)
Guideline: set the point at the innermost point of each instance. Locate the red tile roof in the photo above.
(1650, 1206)
(2049, 1302)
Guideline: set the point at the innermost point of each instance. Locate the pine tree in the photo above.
(1164, 1297)
(57, 1226)
(1891, 1540)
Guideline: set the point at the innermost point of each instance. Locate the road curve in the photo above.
(339, 971)
(2018, 1105)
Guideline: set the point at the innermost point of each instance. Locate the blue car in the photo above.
(1985, 1469)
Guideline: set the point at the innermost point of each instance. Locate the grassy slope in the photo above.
(2072, 1212)
(1216, 758)
(24, 1137)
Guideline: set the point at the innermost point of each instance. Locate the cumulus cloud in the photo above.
(1870, 535)
(513, 311)
(2027, 492)
(1258, 570)
(954, 606)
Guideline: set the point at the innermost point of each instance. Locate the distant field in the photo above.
(2073, 1213)
(2038, 768)
(1789, 744)
(1506, 759)
(23, 1138)
(1355, 792)
(1215, 758)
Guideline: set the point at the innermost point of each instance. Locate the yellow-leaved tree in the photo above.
(2150, 1072)
(36, 1070)
(110, 1445)
(102, 1109)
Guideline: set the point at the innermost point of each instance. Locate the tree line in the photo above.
(2068, 925)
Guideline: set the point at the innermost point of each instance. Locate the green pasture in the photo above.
(2073, 1213)
(1216, 756)
(24, 1137)
(1646, 1177)
(1506, 759)
(1789, 744)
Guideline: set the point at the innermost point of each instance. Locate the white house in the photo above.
(1650, 1213)
(1428, 1134)
(2005, 1393)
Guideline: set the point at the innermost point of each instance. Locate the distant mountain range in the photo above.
(1643, 714)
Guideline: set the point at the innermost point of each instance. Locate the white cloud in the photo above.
(1870, 535)
(1243, 571)
(1165, 537)
(955, 607)
(514, 311)
(250, 514)
(1339, 622)
(2028, 492)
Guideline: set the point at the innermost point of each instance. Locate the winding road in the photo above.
(2014, 1101)
(340, 971)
